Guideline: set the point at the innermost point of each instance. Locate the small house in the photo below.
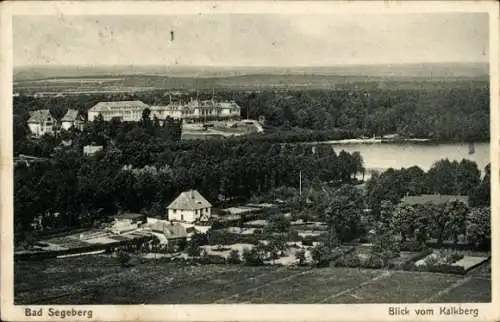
(190, 206)
(41, 122)
(168, 233)
(92, 149)
(72, 119)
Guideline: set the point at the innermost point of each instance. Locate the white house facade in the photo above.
(128, 111)
(41, 122)
(189, 207)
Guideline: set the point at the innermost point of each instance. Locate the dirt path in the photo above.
(384, 274)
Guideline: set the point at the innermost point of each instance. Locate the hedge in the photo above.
(408, 264)
(411, 246)
(441, 268)
(212, 259)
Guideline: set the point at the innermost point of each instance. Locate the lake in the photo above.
(423, 155)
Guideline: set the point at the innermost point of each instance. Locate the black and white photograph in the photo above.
(250, 157)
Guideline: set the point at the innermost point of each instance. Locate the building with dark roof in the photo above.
(41, 122)
(72, 119)
(433, 199)
(190, 206)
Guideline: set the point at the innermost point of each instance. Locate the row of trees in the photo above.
(445, 113)
(444, 177)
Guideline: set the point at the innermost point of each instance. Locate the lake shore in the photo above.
(372, 141)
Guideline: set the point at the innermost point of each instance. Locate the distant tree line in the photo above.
(445, 113)
(444, 177)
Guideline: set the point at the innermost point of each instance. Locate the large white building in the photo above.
(198, 111)
(129, 111)
(194, 111)
(41, 122)
(189, 207)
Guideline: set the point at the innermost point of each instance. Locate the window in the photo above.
(175, 211)
(182, 217)
(195, 211)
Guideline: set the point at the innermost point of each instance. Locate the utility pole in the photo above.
(300, 182)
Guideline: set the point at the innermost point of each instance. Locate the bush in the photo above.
(308, 241)
(411, 246)
(234, 257)
(300, 255)
(351, 260)
(321, 255)
(374, 261)
(123, 258)
(206, 259)
(254, 256)
(442, 268)
(409, 263)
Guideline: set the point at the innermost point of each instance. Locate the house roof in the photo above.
(169, 230)
(70, 116)
(435, 199)
(118, 105)
(39, 116)
(129, 216)
(190, 200)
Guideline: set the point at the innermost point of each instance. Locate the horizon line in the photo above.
(255, 66)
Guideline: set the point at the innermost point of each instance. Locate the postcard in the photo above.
(249, 161)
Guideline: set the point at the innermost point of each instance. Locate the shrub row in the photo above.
(409, 263)
(441, 268)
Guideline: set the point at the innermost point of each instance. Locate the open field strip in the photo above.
(381, 275)
(239, 296)
(156, 275)
(221, 286)
(473, 290)
(307, 288)
(101, 280)
(446, 290)
(402, 287)
(208, 289)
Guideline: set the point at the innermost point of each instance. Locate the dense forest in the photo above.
(144, 166)
(443, 113)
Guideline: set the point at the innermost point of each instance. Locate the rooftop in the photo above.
(435, 199)
(129, 216)
(190, 200)
(169, 230)
(70, 116)
(40, 116)
(118, 105)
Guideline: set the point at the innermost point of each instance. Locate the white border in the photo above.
(364, 312)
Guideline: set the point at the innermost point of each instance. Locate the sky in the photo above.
(250, 39)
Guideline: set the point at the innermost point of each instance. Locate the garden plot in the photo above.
(469, 262)
(439, 257)
(403, 257)
(225, 250)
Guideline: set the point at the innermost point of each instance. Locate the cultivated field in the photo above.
(100, 280)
